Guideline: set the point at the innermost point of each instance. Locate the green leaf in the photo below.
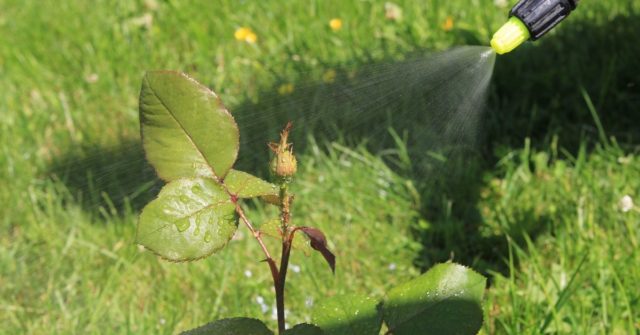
(348, 315)
(244, 185)
(271, 199)
(186, 131)
(190, 219)
(232, 326)
(304, 329)
(447, 299)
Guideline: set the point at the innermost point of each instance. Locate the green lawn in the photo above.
(535, 200)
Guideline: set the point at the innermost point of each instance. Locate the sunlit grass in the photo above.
(72, 178)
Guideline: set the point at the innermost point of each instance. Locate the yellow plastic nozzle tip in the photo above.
(509, 36)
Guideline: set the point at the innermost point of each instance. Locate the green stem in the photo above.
(285, 202)
(272, 264)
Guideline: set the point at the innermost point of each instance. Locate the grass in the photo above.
(572, 270)
(535, 206)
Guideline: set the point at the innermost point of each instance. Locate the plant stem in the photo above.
(284, 264)
(258, 237)
(287, 238)
(279, 275)
(285, 208)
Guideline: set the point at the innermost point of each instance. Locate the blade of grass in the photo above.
(592, 109)
(563, 296)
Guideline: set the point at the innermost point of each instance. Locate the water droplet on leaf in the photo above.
(182, 225)
(196, 189)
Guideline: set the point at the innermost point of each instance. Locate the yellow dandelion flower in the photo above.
(448, 24)
(245, 34)
(335, 24)
(329, 76)
(242, 33)
(251, 38)
(285, 89)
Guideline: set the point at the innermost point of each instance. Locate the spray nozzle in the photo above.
(530, 19)
(509, 36)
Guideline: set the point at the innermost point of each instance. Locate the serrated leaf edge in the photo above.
(244, 185)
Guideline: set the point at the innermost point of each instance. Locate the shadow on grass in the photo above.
(427, 122)
(537, 88)
(109, 180)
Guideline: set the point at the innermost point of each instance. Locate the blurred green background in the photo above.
(543, 202)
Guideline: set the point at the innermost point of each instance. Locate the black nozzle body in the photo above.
(540, 16)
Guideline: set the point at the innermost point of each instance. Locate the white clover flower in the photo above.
(392, 266)
(308, 302)
(626, 203)
(248, 273)
(263, 307)
(295, 268)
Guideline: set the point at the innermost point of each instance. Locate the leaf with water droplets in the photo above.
(447, 299)
(232, 326)
(244, 185)
(190, 219)
(304, 329)
(348, 315)
(186, 131)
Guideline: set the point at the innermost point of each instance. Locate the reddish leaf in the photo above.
(319, 243)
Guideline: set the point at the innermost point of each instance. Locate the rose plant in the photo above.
(192, 141)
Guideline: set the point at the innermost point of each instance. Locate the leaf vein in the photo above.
(183, 129)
